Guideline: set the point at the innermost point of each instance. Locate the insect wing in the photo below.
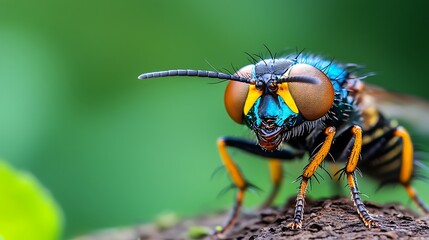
(411, 109)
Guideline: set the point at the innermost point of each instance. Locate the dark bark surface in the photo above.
(324, 219)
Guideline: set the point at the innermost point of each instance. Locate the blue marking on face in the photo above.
(286, 114)
(252, 115)
(273, 107)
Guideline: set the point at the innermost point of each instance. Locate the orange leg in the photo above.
(238, 180)
(416, 199)
(276, 171)
(351, 179)
(336, 187)
(407, 168)
(309, 170)
(237, 177)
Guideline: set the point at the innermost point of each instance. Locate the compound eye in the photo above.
(236, 94)
(313, 100)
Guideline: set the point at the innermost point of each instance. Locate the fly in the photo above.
(317, 107)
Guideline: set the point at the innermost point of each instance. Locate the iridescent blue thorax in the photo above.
(338, 75)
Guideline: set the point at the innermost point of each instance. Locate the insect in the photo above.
(303, 104)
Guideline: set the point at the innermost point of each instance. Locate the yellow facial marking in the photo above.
(252, 96)
(283, 91)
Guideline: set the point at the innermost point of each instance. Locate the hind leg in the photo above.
(406, 172)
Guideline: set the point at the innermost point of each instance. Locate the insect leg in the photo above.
(251, 147)
(351, 177)
(276, 172)
(275, 158)
(407, 168)
(238, 180)
(237, 177)
(309, 170)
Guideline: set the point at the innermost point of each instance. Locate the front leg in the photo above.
(309, 170)
(238, 178)
(351, 179)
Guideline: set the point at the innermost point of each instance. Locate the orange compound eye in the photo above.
(313, 100)
(236, 94)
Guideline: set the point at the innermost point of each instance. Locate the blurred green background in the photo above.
(116, 151)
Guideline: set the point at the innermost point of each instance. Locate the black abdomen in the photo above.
(382, 151)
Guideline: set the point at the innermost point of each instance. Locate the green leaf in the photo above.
(197, 232)
(27, 210)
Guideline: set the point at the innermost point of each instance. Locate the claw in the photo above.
(295, 225)
(371, 224)
(217, 233)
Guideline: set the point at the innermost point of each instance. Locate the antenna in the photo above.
(197, 73)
